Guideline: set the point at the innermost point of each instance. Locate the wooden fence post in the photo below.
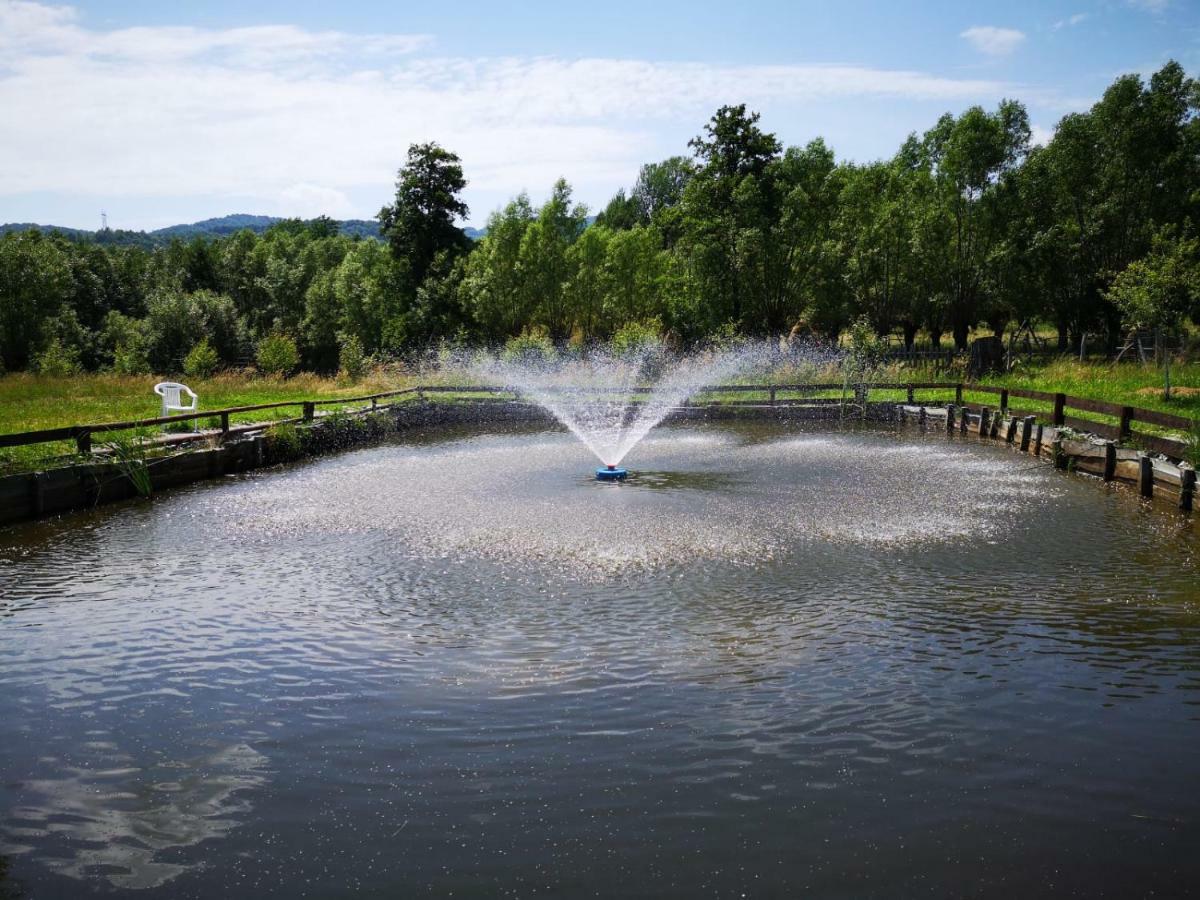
(984, 412)
(1060, 401)
(309, 410)
(83, 440)
(994, 431)
(1126, 428)
(949, 417)
(1037, 439)
(1010, 434)
(963, 421)
(1057, 454)
(1187, 488)
(224, 426)
(1145, 475)
(958, 388)
(1004, 400)
(910, 393)
(1026, 433)
(1110, 460)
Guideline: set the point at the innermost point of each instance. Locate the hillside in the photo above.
(208, 228)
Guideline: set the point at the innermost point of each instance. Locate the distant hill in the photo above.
(209, 228)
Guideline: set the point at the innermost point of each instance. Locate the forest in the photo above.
(967, 227)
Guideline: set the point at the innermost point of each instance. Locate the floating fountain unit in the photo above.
(611, 473)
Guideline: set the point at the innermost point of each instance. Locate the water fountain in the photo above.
(596, 395)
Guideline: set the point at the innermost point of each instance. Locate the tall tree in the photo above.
(421, 222)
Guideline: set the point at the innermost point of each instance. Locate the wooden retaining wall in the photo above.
(1153, 476)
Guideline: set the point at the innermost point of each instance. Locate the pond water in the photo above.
(775, 661)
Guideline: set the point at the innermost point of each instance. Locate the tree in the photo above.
(420, 223)
(35, 282)
(967, 156)
(544, 263)
(493, 290)
(722, 203)
(1160, 290)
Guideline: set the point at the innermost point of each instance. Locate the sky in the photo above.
(161, 113)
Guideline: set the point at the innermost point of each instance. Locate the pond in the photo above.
(776, 660)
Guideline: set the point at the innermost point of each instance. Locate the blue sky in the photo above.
(168, 112)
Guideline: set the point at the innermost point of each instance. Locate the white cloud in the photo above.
(1070, 21)
(1153, 6)
(1040, 135)
(992, 40)
(307, 201)
(301, 119)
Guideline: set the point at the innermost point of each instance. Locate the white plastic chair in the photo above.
(172, 399)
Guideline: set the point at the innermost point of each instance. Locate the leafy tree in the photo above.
(177, 321)
(277, 355)
(420, 223)
(35, 282)
(967, 156)
(202, 360)
(1160, 290)
(494, 291)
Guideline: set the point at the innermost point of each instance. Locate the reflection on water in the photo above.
(119, 822)
(770, 662)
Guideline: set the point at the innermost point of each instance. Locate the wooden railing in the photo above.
(1125, 416)
(82, 434)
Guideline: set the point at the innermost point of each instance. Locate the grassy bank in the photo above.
(30, 402)
(33, 402)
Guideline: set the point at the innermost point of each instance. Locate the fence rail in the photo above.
(1126, 416)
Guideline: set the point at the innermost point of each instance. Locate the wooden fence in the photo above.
(1125, 416)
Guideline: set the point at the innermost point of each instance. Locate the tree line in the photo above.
(967, 226)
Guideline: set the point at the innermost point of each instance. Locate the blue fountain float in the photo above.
(611, 473)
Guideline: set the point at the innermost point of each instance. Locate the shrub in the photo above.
(58, 359)
(123, 341)
(284, 442)
(277, 355)
(637, 337)
(175, 320)
(202, 361)
(352, 360)
(130, 361)
(531, 345)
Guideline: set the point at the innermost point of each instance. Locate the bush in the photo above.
(352, 360)
(202, 361)
(637, 337)
(58, 359)
(175, 320)
(284, 442)
(123, 340)
(130, 361)
(277, 355)
(531, 345)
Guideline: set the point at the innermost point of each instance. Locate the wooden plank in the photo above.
(1166, 420)
(1099, 406)
(1145, 476)
(1031, 395)
(982, 389)
(21, 438)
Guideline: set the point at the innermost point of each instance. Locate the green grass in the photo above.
(33, 402)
